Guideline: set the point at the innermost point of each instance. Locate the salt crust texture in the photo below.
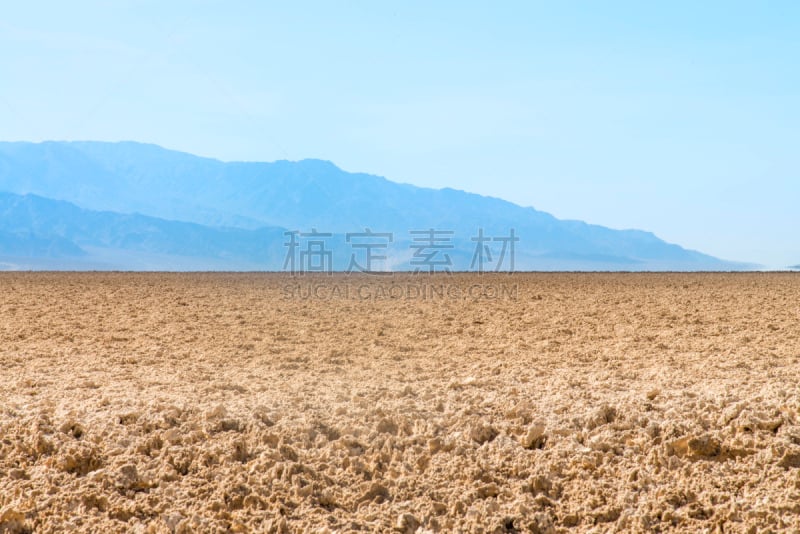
(242, 403)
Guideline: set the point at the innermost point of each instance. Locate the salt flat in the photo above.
(474, 403)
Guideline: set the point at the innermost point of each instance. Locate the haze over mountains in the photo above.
(95, 205)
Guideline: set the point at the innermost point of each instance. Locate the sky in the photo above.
(681, 118)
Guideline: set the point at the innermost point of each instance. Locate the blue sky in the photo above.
(682, 118)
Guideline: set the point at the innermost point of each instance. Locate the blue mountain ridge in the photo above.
(103, 201)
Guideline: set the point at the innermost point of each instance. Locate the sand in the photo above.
(526, 402)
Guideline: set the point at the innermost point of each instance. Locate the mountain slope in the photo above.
(131, 177)
(37, 227)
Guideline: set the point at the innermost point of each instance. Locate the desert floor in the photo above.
(525, 402)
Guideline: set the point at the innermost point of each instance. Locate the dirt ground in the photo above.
(463, 403)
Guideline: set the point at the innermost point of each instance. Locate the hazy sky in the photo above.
(682, 118)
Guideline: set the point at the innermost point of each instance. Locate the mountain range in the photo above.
(97, 205)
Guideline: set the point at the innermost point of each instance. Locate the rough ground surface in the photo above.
(219, 402)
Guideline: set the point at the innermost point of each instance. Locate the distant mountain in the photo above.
(220, 206)
(24, 244)
(35, 227)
